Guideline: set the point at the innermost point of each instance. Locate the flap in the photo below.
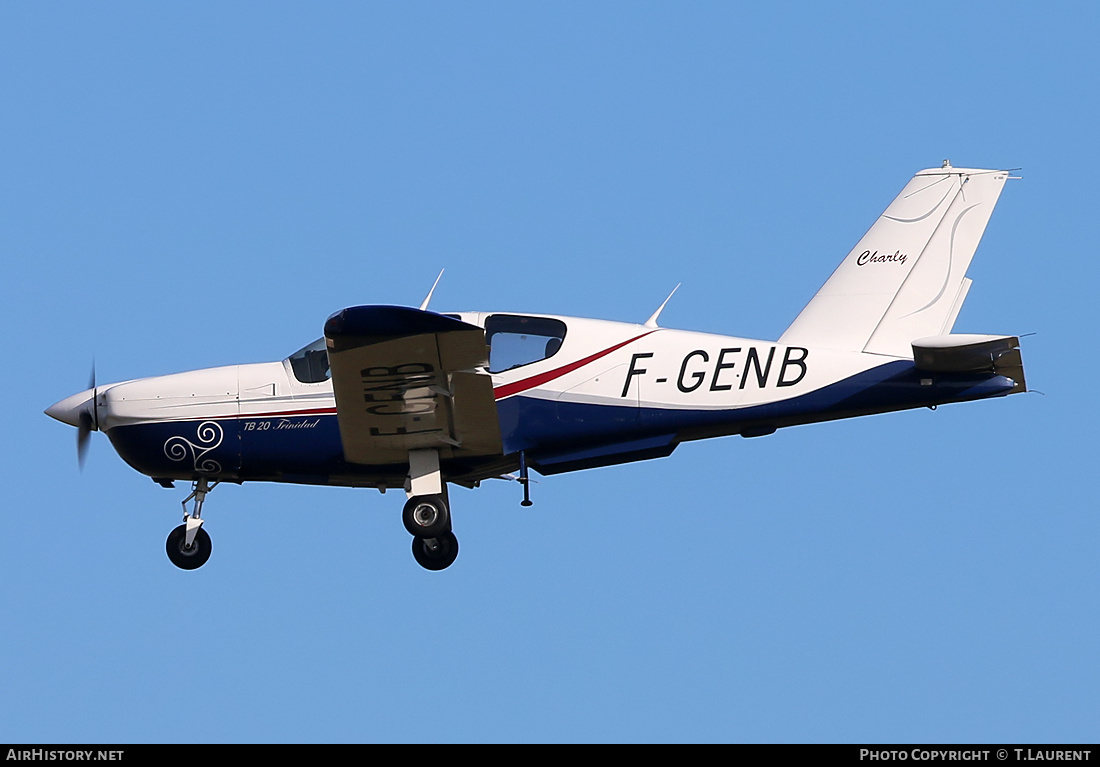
(406, 379)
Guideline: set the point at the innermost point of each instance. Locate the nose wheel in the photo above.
(188, 557)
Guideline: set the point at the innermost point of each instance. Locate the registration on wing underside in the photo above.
(407, 392)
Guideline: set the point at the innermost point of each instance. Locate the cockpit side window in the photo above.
(515, 341)
(310, 363)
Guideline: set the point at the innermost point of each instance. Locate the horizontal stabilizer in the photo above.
(966, 353)
(906, 278)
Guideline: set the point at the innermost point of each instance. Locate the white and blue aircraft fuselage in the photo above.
(397, 397)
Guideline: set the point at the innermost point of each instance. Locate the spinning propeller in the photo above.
(88, 422)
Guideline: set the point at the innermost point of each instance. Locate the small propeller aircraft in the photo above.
(397, 397)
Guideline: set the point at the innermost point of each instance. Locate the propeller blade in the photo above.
(84, 431)
(88, 422)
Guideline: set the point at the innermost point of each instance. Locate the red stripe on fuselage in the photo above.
(285, 413)
(273, 414)
(516, 387)
(500, 392)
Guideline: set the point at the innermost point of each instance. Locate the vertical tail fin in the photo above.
(906, 278)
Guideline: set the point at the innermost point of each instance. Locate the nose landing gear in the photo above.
(188, 546)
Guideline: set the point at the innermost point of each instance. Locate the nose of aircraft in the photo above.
(70, 409)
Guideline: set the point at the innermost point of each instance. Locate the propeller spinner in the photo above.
(79, 410)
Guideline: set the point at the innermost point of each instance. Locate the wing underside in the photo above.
(405, 380)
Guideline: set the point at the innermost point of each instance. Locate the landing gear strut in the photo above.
(188, 546)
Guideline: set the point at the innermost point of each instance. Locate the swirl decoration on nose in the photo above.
(209, 436)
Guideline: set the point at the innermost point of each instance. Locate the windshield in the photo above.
(310, 363)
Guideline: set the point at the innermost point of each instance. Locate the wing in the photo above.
(406, 379)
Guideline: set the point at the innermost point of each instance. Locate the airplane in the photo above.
(396, 397)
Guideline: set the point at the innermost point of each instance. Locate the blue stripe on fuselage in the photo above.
(532, 424)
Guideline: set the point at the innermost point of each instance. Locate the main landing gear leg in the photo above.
(427, 513)
(188, 545)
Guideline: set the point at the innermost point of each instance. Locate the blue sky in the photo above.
(203, 184)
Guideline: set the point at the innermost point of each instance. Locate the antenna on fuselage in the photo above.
(652, 321)
(424, 306)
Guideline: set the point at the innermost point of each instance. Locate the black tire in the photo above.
(426, 516)
(188, 559)
(436, 553)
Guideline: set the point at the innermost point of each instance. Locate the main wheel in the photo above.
(436, 553)
(426, 516)
(192, 558)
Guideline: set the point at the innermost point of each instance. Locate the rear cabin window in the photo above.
(310, 363)
(515, 341)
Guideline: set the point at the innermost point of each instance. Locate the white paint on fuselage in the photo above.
(653, 368)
